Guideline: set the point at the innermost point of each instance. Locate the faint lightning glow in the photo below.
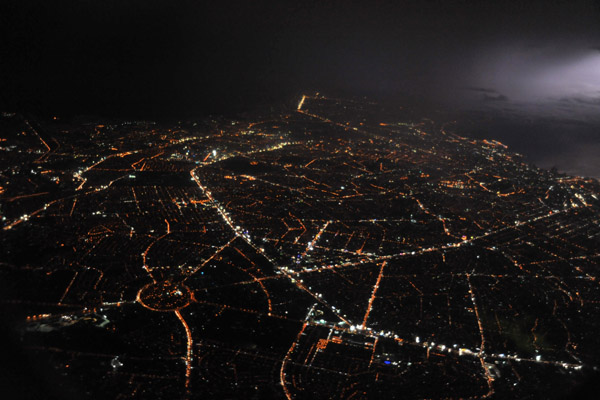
(540, 75)
(578, 77)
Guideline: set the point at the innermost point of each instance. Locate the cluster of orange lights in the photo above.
(37, 317)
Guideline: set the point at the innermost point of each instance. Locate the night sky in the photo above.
(527, 73)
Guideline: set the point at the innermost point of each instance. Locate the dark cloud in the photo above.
(494, 97)
(484, 90)
(586, 100)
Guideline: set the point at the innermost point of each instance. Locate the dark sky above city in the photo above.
(516, 60)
